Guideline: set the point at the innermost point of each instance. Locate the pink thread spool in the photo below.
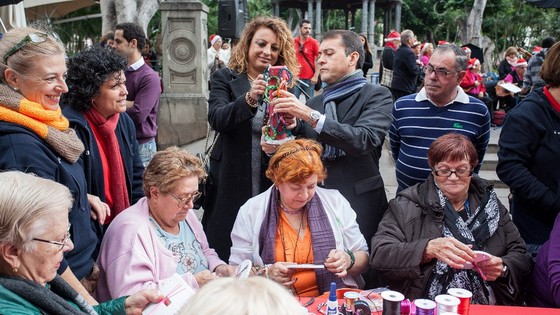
(464, 297)
(447, 303)
(406, 308)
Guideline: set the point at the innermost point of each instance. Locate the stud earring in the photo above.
(15, 269)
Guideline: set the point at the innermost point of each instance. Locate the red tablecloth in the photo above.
(474, 309)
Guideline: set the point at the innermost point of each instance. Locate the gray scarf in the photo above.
(50, 299)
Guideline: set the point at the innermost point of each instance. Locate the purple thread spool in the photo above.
(424, 307)
(392, 302)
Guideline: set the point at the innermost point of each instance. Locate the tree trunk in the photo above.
(474, 23)
(119, 11)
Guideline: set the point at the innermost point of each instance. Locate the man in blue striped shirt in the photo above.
(439, 108)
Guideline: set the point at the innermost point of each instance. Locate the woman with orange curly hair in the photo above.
(295, 222)
(235, 111)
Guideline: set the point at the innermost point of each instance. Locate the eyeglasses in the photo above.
(37, 38)
(181, 202)
(461, 172)
(440, 72)
(62, 243)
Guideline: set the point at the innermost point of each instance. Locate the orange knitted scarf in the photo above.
(50, 125)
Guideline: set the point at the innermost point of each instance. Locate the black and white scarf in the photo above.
(50, 299)
(480, 225)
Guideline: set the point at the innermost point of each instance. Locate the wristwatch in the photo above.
(505, 271)
(314, 117)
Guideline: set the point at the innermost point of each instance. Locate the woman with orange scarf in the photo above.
(35, 137)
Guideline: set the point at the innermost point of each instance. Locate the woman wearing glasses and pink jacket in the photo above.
(160, 235)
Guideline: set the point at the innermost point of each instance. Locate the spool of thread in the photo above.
(424, 307)
(406, 308)
(350, 298)
(392, 302)
(447, 303)
(464, 297)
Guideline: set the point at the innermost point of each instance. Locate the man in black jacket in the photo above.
(405, 67)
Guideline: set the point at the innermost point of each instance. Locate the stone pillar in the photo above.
(183, 106)
(371, 24)
(318, 20)
(310, 11)
(398, 10)
(365, 17)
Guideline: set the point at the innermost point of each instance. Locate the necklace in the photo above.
(251, 79)
(294, 257)
(289, 211)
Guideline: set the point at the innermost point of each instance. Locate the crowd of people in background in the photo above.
(94, 217)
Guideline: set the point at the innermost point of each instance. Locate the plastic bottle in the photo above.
(332, 303)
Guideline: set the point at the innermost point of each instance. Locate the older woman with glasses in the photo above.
(451, 231)
(160, 235)
(36, 138)
(295, 222)
(34, 235)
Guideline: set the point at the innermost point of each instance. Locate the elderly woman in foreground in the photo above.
(296, 222)
(433, 234)
(160, 235)
(255, 295)
(34, 234)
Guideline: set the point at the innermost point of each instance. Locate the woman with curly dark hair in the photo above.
(93, 105)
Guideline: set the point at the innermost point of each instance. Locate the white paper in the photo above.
(511, 87)
(244, 269)
(305, 266)
(177, 292)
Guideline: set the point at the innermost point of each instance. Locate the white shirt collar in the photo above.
(461, 97)
(139, 63)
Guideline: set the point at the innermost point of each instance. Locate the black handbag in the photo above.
(206, 186)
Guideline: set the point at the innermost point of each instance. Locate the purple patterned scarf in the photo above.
(322, 237)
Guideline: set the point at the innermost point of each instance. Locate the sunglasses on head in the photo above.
(35, 37)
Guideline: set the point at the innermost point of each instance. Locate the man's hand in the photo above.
(290, 106)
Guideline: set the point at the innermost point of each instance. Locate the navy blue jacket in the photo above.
(23, 150)
(91, 159)
(527, 163)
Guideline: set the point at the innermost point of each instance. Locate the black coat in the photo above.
(363, 121)
(529, 150)
(405, 70)
(231, 168)
(415, 217)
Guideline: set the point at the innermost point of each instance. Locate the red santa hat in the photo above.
(394, 35)
(521, 62)
(442, 42)
(472, 62)
(214, 38)
(466, 49)
(537, 49)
